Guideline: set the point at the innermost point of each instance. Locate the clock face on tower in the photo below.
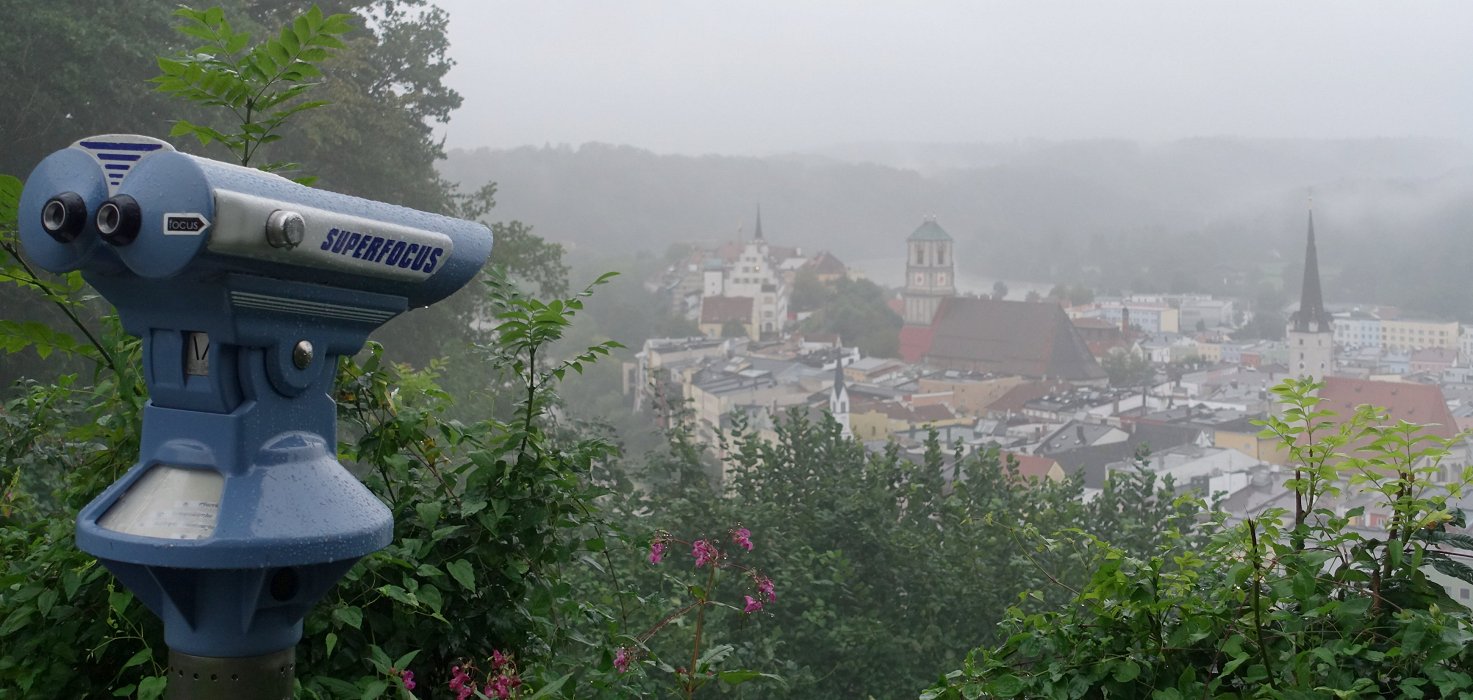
(941, 279)
(920, 279)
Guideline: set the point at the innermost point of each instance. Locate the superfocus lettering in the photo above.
(389, 252)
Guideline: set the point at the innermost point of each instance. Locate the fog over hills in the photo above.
(1033, 209)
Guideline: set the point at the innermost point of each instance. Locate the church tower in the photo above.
(1311, 331)
(929, 278)
(839, 399)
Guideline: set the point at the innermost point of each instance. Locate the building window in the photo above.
(920, 254)
(941, 255)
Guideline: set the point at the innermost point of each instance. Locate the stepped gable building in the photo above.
(1311, 332)
(1010, 337)
(929, 268)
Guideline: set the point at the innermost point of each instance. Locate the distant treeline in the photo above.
(1224, 216)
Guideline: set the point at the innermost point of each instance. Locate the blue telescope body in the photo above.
(245, 288)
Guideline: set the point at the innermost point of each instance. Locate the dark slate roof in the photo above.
(723, 309)
(1011, 337)
(1311, 316)
(826, 264)
(929, 230)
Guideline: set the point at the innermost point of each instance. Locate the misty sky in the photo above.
(765, 76)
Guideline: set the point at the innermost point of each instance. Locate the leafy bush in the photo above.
(1302, 603)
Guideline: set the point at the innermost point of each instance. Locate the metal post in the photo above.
(265, 677)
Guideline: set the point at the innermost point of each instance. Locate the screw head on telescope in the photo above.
(284, 229)
(302, 354)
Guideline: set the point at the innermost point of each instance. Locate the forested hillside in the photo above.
(1109, 214)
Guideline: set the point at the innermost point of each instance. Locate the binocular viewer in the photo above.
(245, 289)
(112, 204)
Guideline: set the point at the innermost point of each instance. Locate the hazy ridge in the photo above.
(1037, 208)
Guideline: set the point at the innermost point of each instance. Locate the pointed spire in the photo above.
(1311, 316)
(758, 235)
(839, 374)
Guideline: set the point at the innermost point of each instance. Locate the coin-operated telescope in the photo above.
(245, 288)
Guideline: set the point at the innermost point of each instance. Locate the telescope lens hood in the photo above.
(119, 220)
(63, 216)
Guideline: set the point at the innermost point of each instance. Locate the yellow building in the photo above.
(970, 394)
(1209, 352)
(1403, 335)
(879, 420)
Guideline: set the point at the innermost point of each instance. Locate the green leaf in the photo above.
(374, 690)
(152, 688)
(403, 662)
(548, 690)
(117, 600)
(1127, 671)
(15, 620)
(332, 642)
(1005, 686)
(350, 616)
(143, 655)
(739, 676)
(463, 574)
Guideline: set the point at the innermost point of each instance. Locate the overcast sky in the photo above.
(766, 76)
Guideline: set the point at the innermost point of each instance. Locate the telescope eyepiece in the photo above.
(64, 216)
(119, 220)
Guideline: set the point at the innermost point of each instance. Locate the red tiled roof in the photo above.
(723, 309)
(1415, 403)
(915, 342)
(1033, 466)
(1013, 337)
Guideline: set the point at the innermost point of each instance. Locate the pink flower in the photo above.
(499, 688)
(704, 553)
(657, 551)
(621, 659)
(408, 677)
(753, 605)
(458, 678)
(764, 586)
(498, 659)
(743, 537)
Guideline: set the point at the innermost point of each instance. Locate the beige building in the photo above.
(971, 394)
(1405, 335)
(1209, 352)
(879, 420)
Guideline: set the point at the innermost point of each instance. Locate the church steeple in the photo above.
(758, 234)
(1311, 316)
(1311, 332)
(839, 398)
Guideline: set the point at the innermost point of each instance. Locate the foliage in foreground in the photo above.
(1291, 603)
